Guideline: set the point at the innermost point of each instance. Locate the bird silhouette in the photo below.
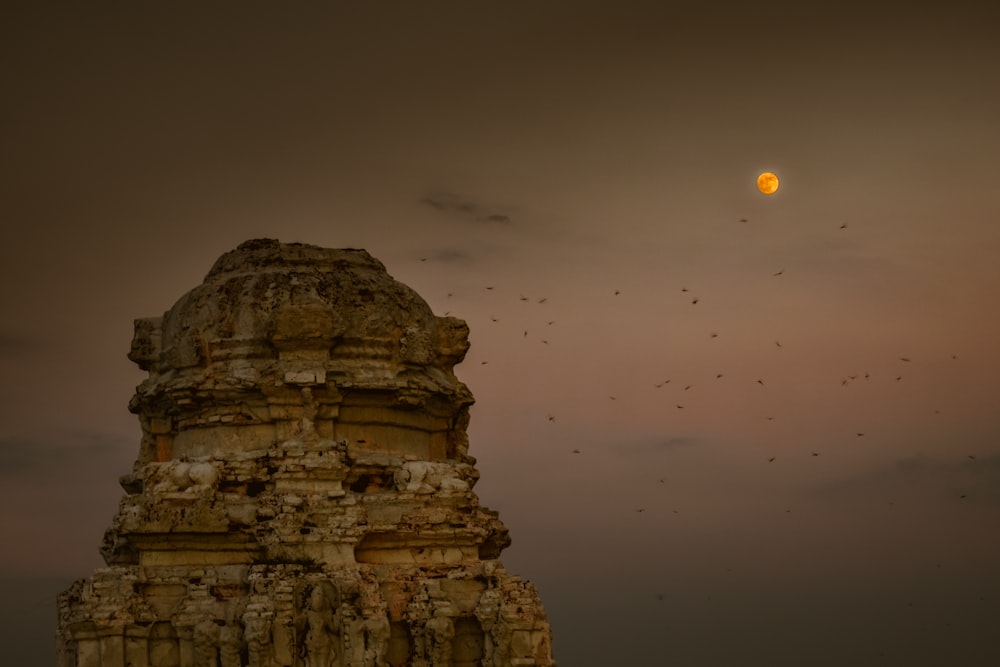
(576, 451)
(779, 272)
(771, 460)
(904, 358)
(844, 226)
(695, 300)
(760, 382)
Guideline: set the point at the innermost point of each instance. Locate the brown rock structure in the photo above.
(303, 491)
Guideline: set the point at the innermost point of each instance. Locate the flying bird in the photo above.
(552, 418)
(904, 358)
(743, 220)
(778, 344)
(844, 226)
(694, 300)
(576, 451)
(779, 272)
(771, 460)
(760, 382)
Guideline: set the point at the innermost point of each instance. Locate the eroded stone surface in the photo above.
(303, 491)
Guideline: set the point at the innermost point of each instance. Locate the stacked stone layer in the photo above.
(303, 491)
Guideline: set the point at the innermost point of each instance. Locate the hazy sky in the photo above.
(602, 157)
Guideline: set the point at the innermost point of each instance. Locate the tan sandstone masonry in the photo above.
(303, 494)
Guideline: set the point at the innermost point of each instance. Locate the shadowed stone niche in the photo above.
(303, 494)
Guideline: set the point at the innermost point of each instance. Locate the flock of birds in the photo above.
(693, 301)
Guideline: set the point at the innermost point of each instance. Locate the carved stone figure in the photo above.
(230, 645)
(257, 632)
(440, 633)
(302, 494)
(320, 631)
(376, 629)
(206, 643)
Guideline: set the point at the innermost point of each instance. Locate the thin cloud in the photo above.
(658, 444)
(463, 205)
(971, 480)
(20, 457)
(11, 343)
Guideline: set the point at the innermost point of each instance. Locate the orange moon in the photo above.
(767, 183)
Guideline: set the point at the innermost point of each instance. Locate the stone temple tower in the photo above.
(303, 491)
